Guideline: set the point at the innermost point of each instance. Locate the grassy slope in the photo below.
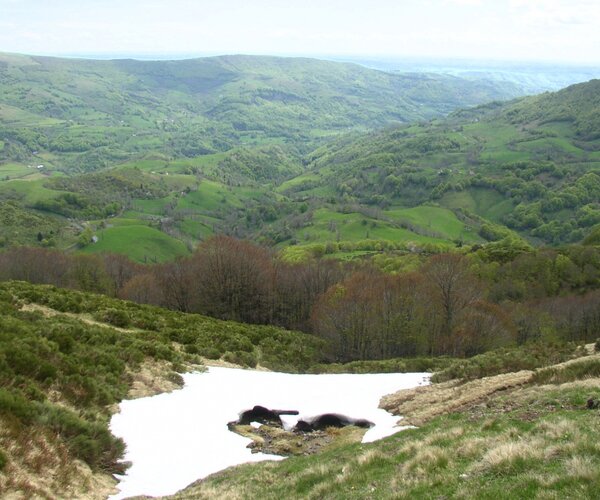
(424, 224)
(20, 226)
(519, 435)
(139, 243)
(529, 440)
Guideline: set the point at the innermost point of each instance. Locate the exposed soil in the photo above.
(419, 405)
(86, 318)
(277, 441)
(478, 397)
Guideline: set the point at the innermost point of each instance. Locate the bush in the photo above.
(396, 365)
(506, 360)
(3, 460)
(242, 358)
(175, 378)
(115, 317)
(579, 370)
(209, 353)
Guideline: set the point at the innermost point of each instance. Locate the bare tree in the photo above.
(452, 290)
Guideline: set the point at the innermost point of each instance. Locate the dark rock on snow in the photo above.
(321, 422)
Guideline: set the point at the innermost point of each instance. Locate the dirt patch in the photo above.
(421, 404)
(85, 318)
(277, 441)
(226, 364)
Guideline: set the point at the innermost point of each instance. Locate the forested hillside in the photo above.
(81, 115)
(316, 182)
(393, 305)
(532, 165)
(147, 158)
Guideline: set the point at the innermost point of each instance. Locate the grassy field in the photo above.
(30, 191)
(10, 171)
(437, 219)
(352, 235)
(328, 225)
(486, 202)
(210, 196)
(140, 243)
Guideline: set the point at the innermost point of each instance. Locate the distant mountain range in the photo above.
(83, 114)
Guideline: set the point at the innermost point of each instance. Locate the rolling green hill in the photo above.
(83, 114)
(532, 165)
(278, 150)
(188, 147)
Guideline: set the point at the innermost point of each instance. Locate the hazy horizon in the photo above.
(528, 31)
(370, 60)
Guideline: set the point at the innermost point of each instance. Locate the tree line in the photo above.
(457, 304)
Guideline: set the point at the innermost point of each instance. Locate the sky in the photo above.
(513, 30)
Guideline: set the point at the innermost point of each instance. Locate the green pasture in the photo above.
(140, 243)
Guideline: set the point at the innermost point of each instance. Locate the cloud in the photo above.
(466, 3)
(554, 13)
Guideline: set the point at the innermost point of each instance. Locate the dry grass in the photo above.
(581, 468)
(226, 364)
(584, 368)
(205, 492)
(369, 456)
(85, 318)
(558, 429)
(39, 466)
(421, 404)
(425, 461)
(153, 377)
(505, 456)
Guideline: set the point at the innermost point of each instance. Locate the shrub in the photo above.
(17, 405)
(3, 460)
(209, 353)
(396, 365)
(115, 317)
(242, 358)
(175, 378)
(578, 370)
(506, 360)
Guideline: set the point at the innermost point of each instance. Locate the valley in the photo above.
(481, 174)
(287, 219)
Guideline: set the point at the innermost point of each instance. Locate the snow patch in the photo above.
(177, 438)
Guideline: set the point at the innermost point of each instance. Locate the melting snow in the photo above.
(174, 439)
